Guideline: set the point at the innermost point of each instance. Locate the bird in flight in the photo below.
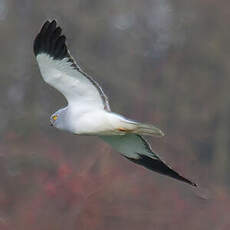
(88, 111)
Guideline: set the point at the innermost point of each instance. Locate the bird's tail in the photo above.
(140, 129)
(147, 129)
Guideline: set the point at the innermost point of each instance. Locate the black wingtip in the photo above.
(50, 41)
(159, 166)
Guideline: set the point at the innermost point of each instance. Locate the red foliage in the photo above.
(100, 191)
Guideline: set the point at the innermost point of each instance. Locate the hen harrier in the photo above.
(88, 111)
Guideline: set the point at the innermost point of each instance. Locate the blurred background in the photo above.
(159, 61)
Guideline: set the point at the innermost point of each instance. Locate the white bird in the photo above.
(88, 111)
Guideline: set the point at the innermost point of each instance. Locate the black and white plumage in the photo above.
(88, 111)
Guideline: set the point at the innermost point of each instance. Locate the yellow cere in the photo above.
(55, 117)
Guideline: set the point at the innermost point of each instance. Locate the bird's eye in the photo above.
(55, 117)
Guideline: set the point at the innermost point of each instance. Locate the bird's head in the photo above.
(54, 119)
(57, 119)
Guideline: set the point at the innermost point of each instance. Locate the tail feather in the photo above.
(146, 129)
(141, 129)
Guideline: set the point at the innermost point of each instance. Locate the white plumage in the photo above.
(77, 89)
(88, 110)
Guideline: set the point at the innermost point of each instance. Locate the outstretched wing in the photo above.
(136, 148)
(60, 70)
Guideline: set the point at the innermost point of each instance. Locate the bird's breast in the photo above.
(95, 123)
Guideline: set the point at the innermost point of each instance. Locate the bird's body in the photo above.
(91, 122)
(88, 111)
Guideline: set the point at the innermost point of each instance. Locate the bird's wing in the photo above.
(60, 70)
(136, 148)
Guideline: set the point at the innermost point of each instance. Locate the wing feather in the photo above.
(137, 149)
(59, 69)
